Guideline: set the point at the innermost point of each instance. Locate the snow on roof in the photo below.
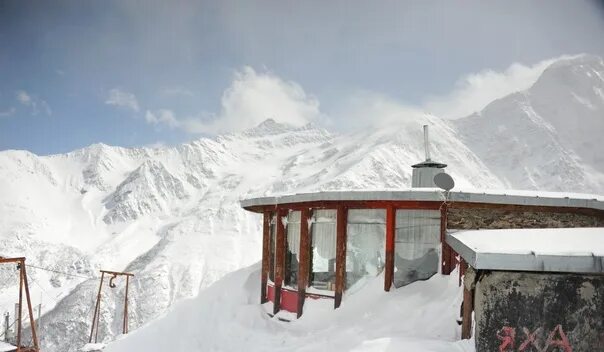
(536, 198)
(552, 250)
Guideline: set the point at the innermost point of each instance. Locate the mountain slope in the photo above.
(548, 136)
(171, 215)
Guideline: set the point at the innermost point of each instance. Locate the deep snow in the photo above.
(228, 317)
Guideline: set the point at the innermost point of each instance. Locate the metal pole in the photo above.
(426, 143)
(125, 327)
(20, 306)
(6, 325)
(32, 322)
(39, 315)
(96, 310)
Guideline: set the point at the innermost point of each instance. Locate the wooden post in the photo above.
(303, 263)
(280, 261)
(265, 256)
(96, 310)
(20, 307)
(29, 307)
(445, 249)
(468, 307)
(390, 233)
(341, 222)
(463, 266)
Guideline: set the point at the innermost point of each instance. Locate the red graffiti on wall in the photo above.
(507, 337)
(556, 340)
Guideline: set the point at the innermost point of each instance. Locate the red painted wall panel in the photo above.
(289, 300)
(270, 292)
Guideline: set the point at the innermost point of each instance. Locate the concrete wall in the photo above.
(522, 311)
(492, 218)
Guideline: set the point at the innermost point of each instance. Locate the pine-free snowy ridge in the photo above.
(172, 214)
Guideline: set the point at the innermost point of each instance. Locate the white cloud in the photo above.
(6, 113)
(23, 97)
(162, 116)
(254, 97)
(33, 102)
(475, 91)
(123, 99)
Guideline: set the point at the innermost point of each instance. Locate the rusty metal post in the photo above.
(125, 327)
(32, 322)
(96, 310)
(20, 307)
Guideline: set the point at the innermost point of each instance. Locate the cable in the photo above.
(61, 272)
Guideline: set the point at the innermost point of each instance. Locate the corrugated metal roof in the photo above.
(579, 250)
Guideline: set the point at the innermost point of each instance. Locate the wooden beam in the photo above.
(341, 222)
(445, 249)
(265, 254)
(390, 233)
(116, 273)
(303, 263)
(466, 319)
(279, 260)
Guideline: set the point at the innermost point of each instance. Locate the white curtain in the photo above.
(324, 232)
(293, 232)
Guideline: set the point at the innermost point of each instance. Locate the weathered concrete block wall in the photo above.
(521, 311)
(493, 218)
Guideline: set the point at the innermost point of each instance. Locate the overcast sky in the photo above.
(133, 73)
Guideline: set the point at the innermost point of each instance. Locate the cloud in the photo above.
(36, 104)
(162, 117)
(254, 97)
(122, 99)
(23, 97)
(9, 112)
(475, 91)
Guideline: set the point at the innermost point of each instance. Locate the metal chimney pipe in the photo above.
(426, 143)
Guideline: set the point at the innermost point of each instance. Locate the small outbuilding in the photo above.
(533, 289)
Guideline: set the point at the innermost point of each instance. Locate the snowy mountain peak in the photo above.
(147, 190)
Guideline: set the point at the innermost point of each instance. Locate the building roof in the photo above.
(579, 250)
(529, 198)
(429, 163)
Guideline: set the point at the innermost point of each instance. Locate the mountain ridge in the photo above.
(171, 214)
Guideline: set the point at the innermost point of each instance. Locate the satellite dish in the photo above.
(444, 181)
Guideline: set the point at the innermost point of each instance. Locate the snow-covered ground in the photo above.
(227, 317)
(171, 215)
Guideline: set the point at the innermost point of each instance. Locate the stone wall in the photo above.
(525, 311)
(493, 218)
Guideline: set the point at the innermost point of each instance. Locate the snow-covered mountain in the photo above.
(548, 136)
(171, 214)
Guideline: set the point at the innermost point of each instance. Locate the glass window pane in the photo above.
(293, 249)
(417, 245)
(365, 245)
(323, 253)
